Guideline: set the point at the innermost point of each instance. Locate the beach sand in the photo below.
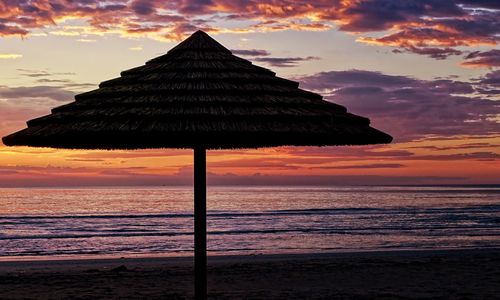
(450, 274)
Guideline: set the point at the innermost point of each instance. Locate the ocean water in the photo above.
(147, 221)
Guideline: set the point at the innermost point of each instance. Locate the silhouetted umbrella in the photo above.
(197, 96)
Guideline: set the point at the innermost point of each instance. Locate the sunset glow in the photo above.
(428, 75)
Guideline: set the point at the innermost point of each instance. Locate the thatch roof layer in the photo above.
(197, 94)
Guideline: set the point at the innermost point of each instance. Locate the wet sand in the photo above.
(449, 274)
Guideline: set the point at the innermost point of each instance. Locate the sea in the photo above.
(53, 223)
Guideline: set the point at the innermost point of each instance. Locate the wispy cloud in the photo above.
(42, 73)
(10, 56)
(50, 92)
(86, 40)
(136, 48)
(265, 57)
(65, 33)
(285, 61)
(362, 166)
(433, 52)
(484, 59)
(251, 52)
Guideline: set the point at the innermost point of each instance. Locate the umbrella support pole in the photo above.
(200, 224)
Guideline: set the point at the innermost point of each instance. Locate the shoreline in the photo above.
(401, 274)
(166, 256)
(186, 256)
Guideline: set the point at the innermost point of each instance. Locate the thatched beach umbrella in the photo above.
(197, 96)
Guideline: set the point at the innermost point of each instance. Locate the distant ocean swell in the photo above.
(463, 225)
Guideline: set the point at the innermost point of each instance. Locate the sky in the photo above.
(426, 72)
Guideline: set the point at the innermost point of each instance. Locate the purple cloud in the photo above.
(51, 92)
(284, 62)
(489, 84)
(493, 4)
(380, 15)
(142, 7)
(409, 108)
(458, 147)
(280, 62)
(484, 59)
(481, 156)
(365, 166)
(436, 53)
(251, 52)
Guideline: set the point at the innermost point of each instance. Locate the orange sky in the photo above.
(425, 72)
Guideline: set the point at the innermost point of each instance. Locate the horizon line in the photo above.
(486, 185)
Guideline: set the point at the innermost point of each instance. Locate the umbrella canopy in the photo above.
(198, 94)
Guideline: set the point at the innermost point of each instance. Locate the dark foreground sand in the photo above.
(458, 274)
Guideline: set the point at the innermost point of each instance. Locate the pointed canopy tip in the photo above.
(200, 40)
